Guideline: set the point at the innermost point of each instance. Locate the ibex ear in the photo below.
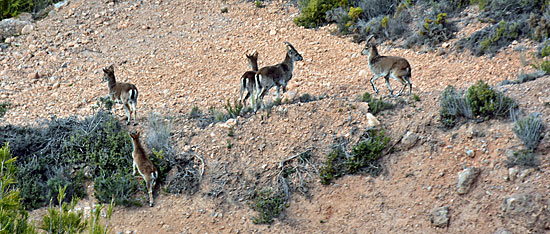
(255, 53)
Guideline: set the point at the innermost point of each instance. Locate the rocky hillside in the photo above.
(182, 54)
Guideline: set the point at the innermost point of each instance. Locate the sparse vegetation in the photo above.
(195, 112)
(233, 111)
(481, 101)
(530, 130)
(313, 11)
(268, 204)
(11, 8)
(487, 102)
(376, 105)
(364, 156)
(13, 217)
(4, 108)
(522, 158)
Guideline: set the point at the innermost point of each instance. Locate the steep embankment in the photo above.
(182, 54)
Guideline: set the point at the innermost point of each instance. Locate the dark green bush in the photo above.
(11, 8)
(452, 106)
(435, 30)
(530, 130)
(313, 12)
(376, 105)
(525, 158)
(332, 168)
(488, 103)
(4, 108)
(60, 151)
(13, 217)
(269, 205)
(364, 156)
(64, 219)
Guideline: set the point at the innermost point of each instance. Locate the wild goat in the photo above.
(145, 167)
(248, 81)
(276, 75)
(387, 66)
(124, 93)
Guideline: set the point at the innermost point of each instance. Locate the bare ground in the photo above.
(182, 54)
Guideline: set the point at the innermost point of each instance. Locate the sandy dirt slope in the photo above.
(182, 54)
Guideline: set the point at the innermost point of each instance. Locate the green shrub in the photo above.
(4, 108)
(332, 168)
(364, 156)
(313, 12)
(61, 152)
(233, 111)
(122, 186)
(13, 217)
(11, 8)
(268, 204)
(523, 158)
(488, 103)
(195, 112)
(158, 140)
(376, 105)
(543, 66)
(530, 130)
(258, 3)
(64, 219)
(435, 30)
(452, 106)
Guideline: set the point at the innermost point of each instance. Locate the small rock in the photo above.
(525, 173)
(224, 9)
(272, 32)
(445, 45)
(471, 153)
(362, 73)
(513, 173)
(231, 123)
(501, 230)
(466, 179)
(34, 75)
(363, 107)
(439, 217)
(409, 140)
(9, 40)
(372, 121)
(290, 95)
(27, 29)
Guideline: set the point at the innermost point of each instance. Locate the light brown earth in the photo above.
(182, 54)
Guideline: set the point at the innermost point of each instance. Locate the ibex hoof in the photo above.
(151, 204)
(134, 124)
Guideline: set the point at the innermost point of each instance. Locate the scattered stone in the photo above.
(512, 173)
(529, 210)
(471, 153)
(362, 73)
(439, 217)
(231, 122)
(272, 32)
(466, 179)
(11, 27)
(409, 140)
(224, 9)
(34, 75)
(372, 121)
(526, 173)
(27, 29)
(501, 230)
(363, 107)
(290, 95)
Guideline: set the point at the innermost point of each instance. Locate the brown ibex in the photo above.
(124, 93)
(387, 66)
(144, 166)
(276, 75)
(248, 81)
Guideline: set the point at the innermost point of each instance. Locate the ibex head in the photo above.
(108, 72)
(370, 43)
(252, 60)
(135, 135)
(293, 52)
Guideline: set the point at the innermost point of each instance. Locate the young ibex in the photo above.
(124, 93)
(276, 75)
(248, 81)
(145, 167)
(387, 66)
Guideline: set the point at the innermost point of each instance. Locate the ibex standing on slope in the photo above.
(276, 75)
(387, 66)
(124, 93)
(145, 167)
(248, 81)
